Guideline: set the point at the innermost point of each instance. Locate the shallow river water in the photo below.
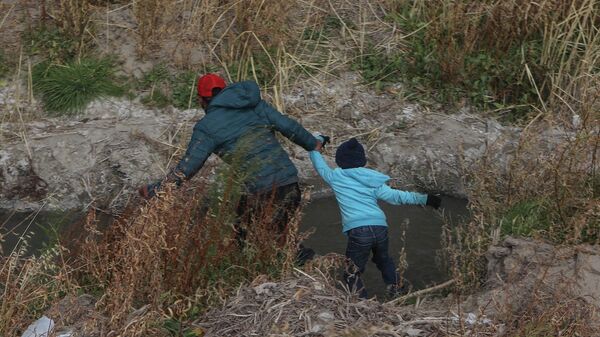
(423, 235)
(423, 230)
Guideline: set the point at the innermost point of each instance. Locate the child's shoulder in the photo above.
(363, 176)
(370, 171)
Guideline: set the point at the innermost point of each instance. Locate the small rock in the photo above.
(326, 316)
(318, 285)
(499, 252)
(316, 328)
(413, 332)
(265, 288)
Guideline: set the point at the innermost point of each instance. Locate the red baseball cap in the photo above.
(208, 82)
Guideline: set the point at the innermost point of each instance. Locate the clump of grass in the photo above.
(165, 87)
(180, 255)
(495, 57)
(378, 67)
(50, 44)
(29, 284)
(545, 191)
(68, 89)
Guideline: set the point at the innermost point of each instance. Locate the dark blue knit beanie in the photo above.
(350, 154)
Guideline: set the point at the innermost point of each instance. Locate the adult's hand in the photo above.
(149, 191)
(322, 140)
(319, 146)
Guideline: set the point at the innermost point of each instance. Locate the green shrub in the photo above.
(4, 68)
(184, 90)
(68, 89)
(165, 88)
(377, 67)
(489, 55)
(526, 218)
(51, 44)
(447, 71)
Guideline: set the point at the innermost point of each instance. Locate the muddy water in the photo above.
(423, 229)
(31, 230)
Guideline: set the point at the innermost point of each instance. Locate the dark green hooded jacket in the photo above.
(240, 128)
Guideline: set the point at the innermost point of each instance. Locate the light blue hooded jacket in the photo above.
(357, 191)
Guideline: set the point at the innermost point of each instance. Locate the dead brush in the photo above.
(547, 189)
(554, 45)
(550, 312)
(29, 284)
(179, 253)
(73, 17)
(535, 301)
(153, 18)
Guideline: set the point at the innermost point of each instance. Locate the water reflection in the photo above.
(423, 233)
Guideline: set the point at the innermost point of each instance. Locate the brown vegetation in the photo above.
(173, 257)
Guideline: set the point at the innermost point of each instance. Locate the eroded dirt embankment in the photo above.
(102, 155)
(531, 286)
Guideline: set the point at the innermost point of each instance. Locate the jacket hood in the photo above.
(365, 176)
(238, 95)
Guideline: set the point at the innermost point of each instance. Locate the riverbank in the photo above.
(532, 288)
(102, 156)
(469, 99)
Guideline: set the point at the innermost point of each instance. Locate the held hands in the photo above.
(322, 140)
(433, 201)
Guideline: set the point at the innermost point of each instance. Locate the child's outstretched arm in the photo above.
(321, 166)
(398, 197)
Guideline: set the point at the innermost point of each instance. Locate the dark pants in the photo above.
(280, 205)
(361, 242)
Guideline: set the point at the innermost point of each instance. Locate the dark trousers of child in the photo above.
(361, 242)
(279, 205)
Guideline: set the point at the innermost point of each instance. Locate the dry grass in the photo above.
(175, 256)
(153, 19)
(547, 189)
(28, 285)
(73, 17)
(544, 54)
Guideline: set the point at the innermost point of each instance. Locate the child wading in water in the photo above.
(357, 190)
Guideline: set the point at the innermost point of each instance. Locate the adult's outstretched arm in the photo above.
(288, 127)
(200, 147)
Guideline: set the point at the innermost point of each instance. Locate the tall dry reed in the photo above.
(180, 254)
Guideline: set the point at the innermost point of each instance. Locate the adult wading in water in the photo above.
(236, 117)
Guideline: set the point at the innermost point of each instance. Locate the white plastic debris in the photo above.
(40, 328)
(576, 121)
(473, 319)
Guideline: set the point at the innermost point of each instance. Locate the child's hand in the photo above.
(433, 201)
(322, 141)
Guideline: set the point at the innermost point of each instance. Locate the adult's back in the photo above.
(240, 127)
